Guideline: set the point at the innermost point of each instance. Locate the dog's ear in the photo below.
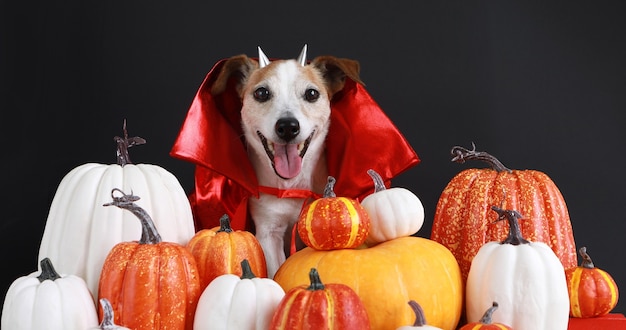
(335, 70)
(237, 67)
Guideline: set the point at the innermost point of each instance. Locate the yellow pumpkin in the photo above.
(386, 276)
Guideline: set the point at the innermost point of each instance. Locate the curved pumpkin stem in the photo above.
(460, 155)
(246, 270)
(329, 189)
(379, 184)
(515, 233)
(47, 271)
(123, 143)
(420, 319)
(225, 224)
(316, 282)
(149, 233)
(108, 316)
(586, 263)
(486, 319)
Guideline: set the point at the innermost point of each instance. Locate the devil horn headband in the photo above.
(263, 60)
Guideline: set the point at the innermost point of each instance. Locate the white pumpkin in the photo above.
(48, 300)
(526, 278)
(394, 212)
(243, 303)
(80, 231)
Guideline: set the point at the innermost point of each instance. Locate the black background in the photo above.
(541, 85)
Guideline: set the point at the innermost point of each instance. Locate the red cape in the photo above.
(361, 137)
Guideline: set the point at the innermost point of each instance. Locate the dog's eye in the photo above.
(311, 95)
(261, 94)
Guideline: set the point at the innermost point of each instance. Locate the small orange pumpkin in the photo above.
(151, 284)
(332, 222)
(331, 306)
(220, 250)
(485, 322)
(592, 291)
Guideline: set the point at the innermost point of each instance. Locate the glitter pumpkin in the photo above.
(463, 219)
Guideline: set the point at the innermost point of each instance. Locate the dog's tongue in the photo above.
(287, 161)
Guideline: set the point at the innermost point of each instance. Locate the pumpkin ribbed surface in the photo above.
(331, 306)
(463, 220)
(218, 252)
(151, 286)
(333, 223)
(593, 292)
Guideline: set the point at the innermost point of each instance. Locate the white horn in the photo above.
(302, 56)
(263, 60)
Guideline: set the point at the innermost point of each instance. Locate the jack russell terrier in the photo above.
(286, 113)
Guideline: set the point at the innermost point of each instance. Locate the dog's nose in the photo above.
(287, 128)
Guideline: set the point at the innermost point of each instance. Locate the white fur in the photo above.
(287, 82)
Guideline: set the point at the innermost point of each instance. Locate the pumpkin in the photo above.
(592, 291)
(46, 299)
(79, 232)
(332, 306)
(233, 302)
(220, 250)
(463, 219)
(386, 276)
(526, 278)
(485, 322)
(420, 320)
(108, 317)
(333, 222)
(393, 212)
(151, 283)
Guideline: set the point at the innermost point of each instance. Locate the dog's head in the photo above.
(286, 104)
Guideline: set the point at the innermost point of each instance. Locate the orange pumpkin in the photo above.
(220, 250)
(333, 222)
(485, 322)
(331, 306)
(150, 283)
(463, 217)
(386, 276)
(592, 291)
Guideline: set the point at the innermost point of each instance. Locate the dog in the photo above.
(285, 117)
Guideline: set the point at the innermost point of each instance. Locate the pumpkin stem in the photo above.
(246, 270)
(149, 233)
(486, 319)
(330, 186)
(586, 263)
(420, 319)
(460, 155)
(225, 224)
(107, 318)
(316, 282)
(123, 143)
(379, 184)
(47, 271)
(515, 233)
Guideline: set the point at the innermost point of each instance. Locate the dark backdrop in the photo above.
(541, 85)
